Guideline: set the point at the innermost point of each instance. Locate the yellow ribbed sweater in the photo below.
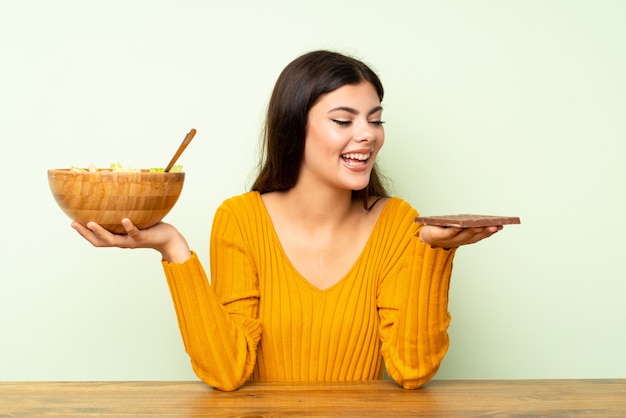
(259, 319)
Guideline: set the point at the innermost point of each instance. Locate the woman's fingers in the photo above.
(87, 232)
(455, 237)
(162, 237)
(100, 237)
(131, 230)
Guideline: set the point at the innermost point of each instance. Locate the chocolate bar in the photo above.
(467, 221)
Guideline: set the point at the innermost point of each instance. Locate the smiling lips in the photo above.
(356, 159)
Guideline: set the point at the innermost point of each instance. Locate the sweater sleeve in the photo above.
(219, 322)
(413, 309)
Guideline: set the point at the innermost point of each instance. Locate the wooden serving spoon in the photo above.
(180, 149)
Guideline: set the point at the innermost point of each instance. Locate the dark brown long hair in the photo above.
(298, 88)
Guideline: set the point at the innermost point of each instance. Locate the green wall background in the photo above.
(498, 107)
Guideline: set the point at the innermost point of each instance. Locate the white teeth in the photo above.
(353, 156)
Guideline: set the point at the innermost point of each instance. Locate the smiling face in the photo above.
(344, 134)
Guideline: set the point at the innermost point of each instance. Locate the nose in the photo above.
(365, 132)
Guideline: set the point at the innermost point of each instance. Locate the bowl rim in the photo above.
(107, 171)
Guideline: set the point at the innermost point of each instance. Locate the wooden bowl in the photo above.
(107, 196)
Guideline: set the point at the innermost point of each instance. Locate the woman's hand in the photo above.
(162, 237)
(452, 237)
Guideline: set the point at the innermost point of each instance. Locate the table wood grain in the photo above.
(440, 398)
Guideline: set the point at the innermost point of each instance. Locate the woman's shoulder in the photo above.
(397, 215)
(395, 206)
(244, 200)
(244, 205)
(243, 211)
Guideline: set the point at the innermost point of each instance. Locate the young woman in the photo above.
(316, 274)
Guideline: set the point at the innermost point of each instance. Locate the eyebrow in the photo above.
(354, 111)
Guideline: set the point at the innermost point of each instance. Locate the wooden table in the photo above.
(495, 398)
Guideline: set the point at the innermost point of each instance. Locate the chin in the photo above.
(356, 183)
(355, 187)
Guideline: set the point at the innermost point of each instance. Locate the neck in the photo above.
(320, 207)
